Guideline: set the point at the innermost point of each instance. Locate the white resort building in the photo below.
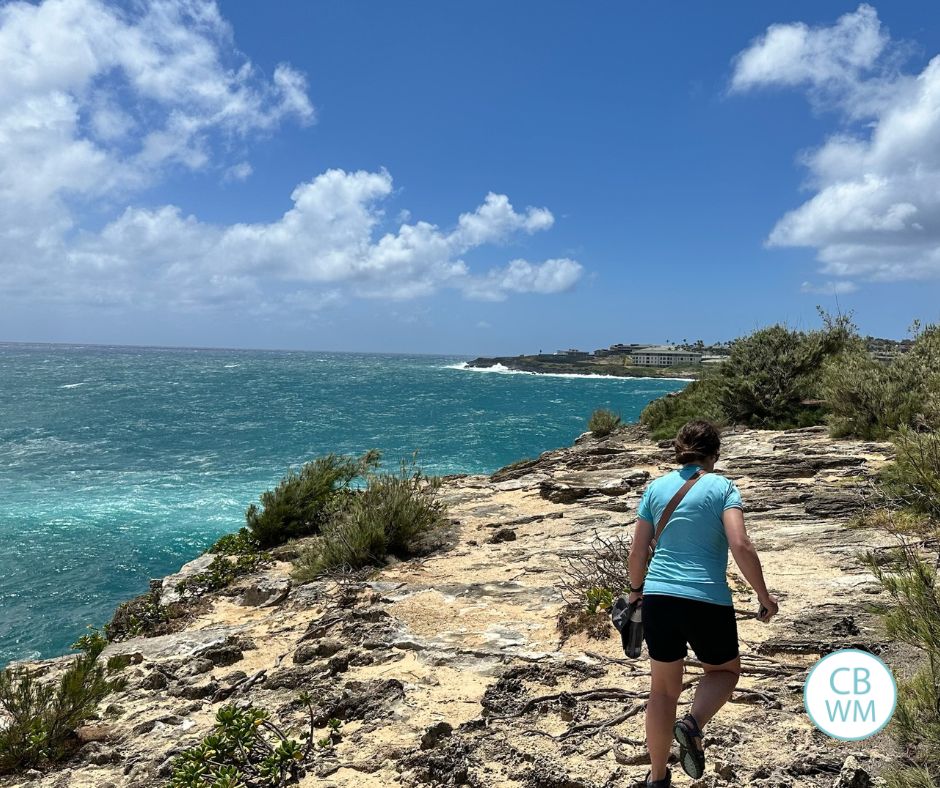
(663, 356)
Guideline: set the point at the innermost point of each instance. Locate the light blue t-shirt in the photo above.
(691, 559)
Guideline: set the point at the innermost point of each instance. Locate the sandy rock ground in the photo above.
(450, 670)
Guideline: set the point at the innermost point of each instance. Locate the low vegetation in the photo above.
(909, 509)
(872, 399)
(395, 515)
(247, 750)
(303, 500)
(42, 715)
(589, 584)
(142, 615)
(780, 378)
(603, 422)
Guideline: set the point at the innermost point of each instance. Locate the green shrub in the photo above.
(771, 373)
(603, 422)
(142, 615)
(242, 542)
(870, 399)
(41, 716)
(395, 515)
(222, 572)
(698, 400)
(913, 479)
(247, 750)
(771, 379)
(909, 574)
(301, 502)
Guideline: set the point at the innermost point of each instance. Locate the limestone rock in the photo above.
(853, 775)
(168, 593)
(265, 589)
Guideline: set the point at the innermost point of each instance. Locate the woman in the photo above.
(686, 599)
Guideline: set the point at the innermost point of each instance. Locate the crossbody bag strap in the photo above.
(671, 507)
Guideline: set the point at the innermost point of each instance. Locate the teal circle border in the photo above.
(881, 727)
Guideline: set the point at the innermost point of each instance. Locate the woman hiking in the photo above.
(685, 596)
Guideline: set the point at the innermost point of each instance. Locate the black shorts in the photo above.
(670, 622)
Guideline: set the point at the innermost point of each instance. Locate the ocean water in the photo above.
(120, 464)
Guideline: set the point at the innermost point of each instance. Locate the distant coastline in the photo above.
(586, 367)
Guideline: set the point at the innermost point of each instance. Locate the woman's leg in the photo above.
(665, 688)
(714, 689)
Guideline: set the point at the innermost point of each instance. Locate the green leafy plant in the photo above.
(603, 422)
(143, 615)
(597, 599)
(395, 515)
(247, 750)
(301, 502)
(41, 715)
(221, 572)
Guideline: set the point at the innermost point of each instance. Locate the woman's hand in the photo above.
(769, 606)
(634, 596)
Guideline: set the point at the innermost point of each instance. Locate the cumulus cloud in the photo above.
(328, 237)
(875, 211)
(99, 103)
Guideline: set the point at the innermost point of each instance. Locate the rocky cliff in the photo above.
(450, 670)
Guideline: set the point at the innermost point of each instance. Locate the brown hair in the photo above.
(697, 441)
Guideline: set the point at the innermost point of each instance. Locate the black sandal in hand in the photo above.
(691, 755)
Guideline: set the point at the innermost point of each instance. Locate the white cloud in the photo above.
(238, 172)
(99, 103)
(328, 237)
(796, 54)
(875, 212)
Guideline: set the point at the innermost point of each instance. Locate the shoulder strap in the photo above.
(671, 506)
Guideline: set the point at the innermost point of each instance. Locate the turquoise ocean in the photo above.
(120, 464)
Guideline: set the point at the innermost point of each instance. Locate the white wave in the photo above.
(232, 366)
(500, 369)
(73, 385)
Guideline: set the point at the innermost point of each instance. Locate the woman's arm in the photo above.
(639, 554)
(745, 556)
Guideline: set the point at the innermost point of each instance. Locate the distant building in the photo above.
(573, 353)
(617, 350)
(663, 356)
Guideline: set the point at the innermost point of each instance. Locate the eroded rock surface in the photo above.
(449, 670)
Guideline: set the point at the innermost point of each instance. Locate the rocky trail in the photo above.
(450, 669)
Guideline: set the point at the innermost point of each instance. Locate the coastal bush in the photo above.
(301, 502)
(395, 515)
(910, 577)
(908, 572)
(771, 379)
(870, 399)
(912, 481)
(247, 750)
(698, 400)
(773, 373)
(42, 715)
(603, 422)
(142, 615)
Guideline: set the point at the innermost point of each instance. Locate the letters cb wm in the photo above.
(850, 694)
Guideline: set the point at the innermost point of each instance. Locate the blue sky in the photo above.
(464, 178)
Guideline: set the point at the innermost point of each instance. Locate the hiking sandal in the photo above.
(666, 782)
(685, 732)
